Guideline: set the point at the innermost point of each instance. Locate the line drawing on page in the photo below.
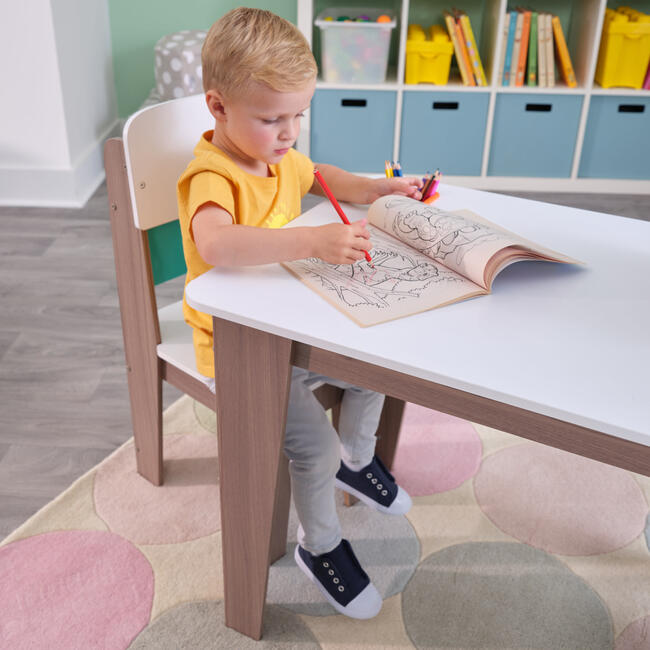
(399, 274)
(437, 233)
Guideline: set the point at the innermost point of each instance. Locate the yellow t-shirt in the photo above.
(251, 200)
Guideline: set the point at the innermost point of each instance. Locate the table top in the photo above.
(568, 342)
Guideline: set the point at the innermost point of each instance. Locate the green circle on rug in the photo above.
(201, 624)
(502, 595)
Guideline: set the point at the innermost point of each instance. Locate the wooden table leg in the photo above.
(253, 374)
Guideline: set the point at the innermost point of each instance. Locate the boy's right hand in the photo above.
(339, 243)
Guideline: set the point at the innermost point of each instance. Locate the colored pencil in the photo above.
(397, 169)
(389, 170)
(338, 208)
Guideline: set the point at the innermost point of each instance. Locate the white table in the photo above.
(556, 353)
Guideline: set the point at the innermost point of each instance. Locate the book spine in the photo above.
(515, 49)
(646, 83)
(504, 47)
(550, 59)
(452, 28)
(475, 58)
(532, 51)
(523, 49)
(541, 51)
(566, 68)
(511, 41)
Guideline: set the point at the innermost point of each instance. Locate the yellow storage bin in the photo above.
(624, 48)
(428, 60)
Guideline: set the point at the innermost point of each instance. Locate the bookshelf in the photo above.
(583, 139)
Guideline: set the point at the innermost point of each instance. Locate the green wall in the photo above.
(137, 26)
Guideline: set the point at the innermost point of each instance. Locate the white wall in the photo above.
(58, 100)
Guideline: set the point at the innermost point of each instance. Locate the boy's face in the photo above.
(260, 126)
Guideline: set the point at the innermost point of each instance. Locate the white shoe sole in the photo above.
(400, 506)
(365, 605)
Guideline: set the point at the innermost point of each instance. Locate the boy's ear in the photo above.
(215, 101)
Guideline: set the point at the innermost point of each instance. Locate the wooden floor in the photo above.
(63, 395)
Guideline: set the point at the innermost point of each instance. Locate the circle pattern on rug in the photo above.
(436, 452)
(502, 595)
(636, 636)
(185, 507)
(201, 624)
(72, 589)
(386, 546)
(560, 502)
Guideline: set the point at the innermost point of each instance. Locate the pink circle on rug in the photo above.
(560, 502)
(436, 451)
(636, 636)
(185, 507)
(73, 589)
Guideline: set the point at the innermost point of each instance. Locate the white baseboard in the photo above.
(62, 188)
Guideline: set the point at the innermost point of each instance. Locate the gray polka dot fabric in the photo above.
(178, 64)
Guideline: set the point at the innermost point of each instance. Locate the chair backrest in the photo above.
(158, 144)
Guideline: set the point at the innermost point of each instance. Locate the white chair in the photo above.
(141, 171)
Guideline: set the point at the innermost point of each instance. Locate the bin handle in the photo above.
(631, 108)
(445, 106)
(354, 102)
(539, 108)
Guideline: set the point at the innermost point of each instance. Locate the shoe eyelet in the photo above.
(330, 572)
(374, 480)
(369, 475)
(335, 581)
(380, 486)
(341, 588)
(326, 564)
(384, 493)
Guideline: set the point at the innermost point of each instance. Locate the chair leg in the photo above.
(145, 392)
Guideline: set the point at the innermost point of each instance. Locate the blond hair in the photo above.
(254, 45)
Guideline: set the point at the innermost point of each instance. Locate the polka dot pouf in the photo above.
(178, 64)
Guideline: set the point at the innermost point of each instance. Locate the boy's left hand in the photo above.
(400, 185)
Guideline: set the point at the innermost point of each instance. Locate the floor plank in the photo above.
(63, 396)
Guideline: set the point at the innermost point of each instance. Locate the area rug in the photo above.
(509, 544)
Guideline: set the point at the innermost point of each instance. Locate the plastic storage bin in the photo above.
(534, 135)
(624, 48)
(445, 130)
(354, 51)
(353, 129)
(428, 61)
(617, 139)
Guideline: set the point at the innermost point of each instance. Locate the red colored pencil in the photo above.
(337, 207)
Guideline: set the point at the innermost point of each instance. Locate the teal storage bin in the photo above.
(353, 129)
(443, 130)
(617, 138)
(534, 135)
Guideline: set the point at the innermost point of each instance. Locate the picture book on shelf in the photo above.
(532, 50)
(512, 28)
(564, 59)
(470, 42)
(523, 49)
(460, 50)
(423, 257)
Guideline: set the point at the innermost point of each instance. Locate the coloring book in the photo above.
(424, 258)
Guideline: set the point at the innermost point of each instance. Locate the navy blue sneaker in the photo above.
(341, 579)
(375, 486)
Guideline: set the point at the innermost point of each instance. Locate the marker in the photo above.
(337, 207)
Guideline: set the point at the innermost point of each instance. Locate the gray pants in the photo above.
(315, 450)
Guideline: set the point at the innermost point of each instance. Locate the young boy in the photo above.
(245, 182)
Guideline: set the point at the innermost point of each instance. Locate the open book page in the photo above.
(462, 241)
(403, 282)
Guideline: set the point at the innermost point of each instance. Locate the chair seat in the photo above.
(176, 345)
